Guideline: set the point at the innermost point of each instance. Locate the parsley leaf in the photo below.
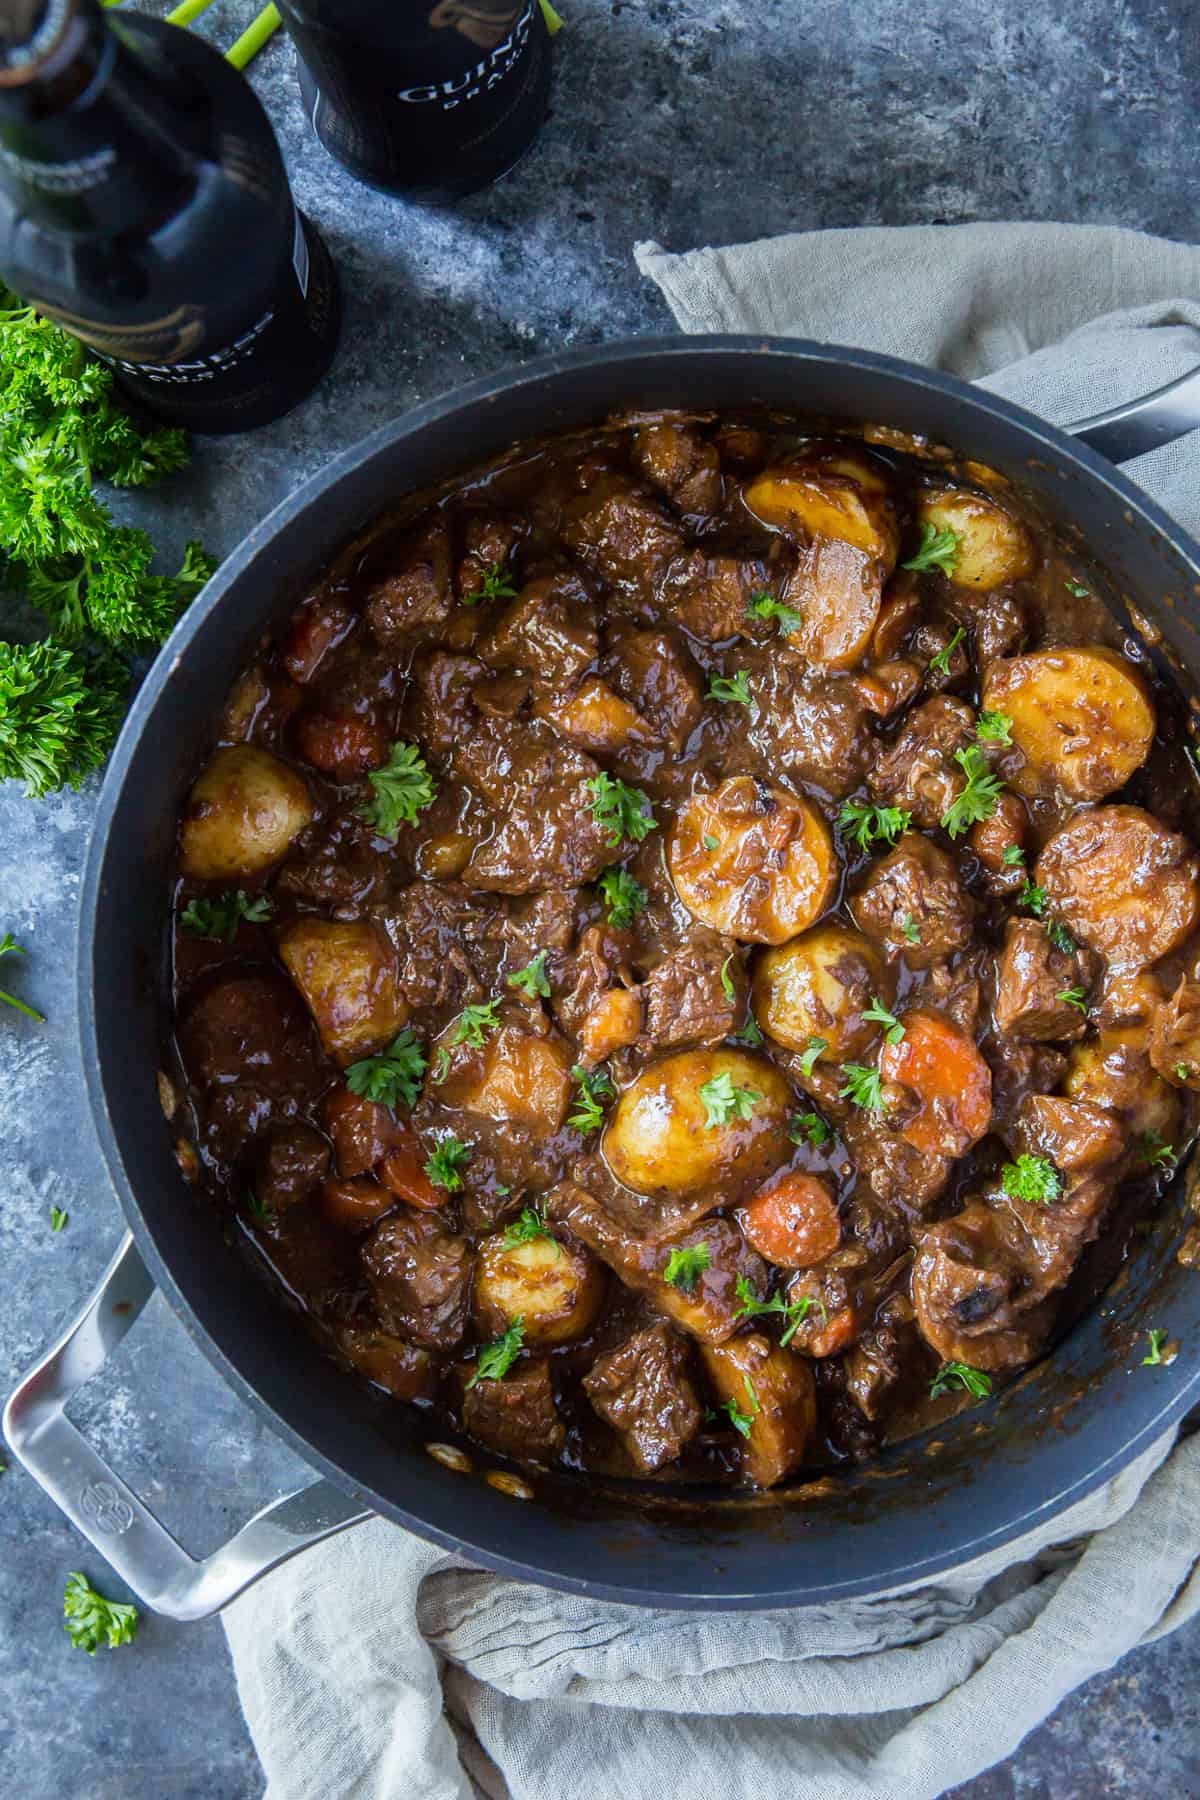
(58, 1219)
(1182, 1070)
(497, 1358)
(530, 1225)
(531, 980)
(258, 1209)
(686, 1265)
(723, 1101)
(794, 1311)
(494, 584)
(727, 978)
(939, 663)
(475, 1022)
(953, 1375)
(624, 897)
(220, 918)
(1158, 1343)
(403, 789)
(90, 1620)
(864, 823)
(1013, 857)
(1060, 937)
(621, 810)
(939, 550)
(765, 606)
(595, 1086)
(60, 710)
(1033, 1179)
(393, 1077)
(1034, 898)
(878, 1014)
(1077, 588)
(814, 1049)
(731, 688)
(979, 797)
(737, 1418)
(1073, 996)
(1158, 1154)
(710, 842)
(444, 1167)
(809, 1127)
(910, 928)
(864, 1086)
(10, 947)
(750, 1033)
(994, 728)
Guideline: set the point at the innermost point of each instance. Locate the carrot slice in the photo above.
(354, 1205)
(403, 1172)
(794, 1223)
(949, 1080)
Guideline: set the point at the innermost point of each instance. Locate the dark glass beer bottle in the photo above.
(430, 99)
(145, 207)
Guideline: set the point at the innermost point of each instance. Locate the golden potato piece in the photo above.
(1082, 718)
(819, 985)
(1113, 1071)
(775, 1392)
(515, 1078)
(699, 1118)
(752, 860)
(835, 499)
(837, 590)
(346, 972)
(993, 547)
(242, 814)
(1122, 882)
(553, 1287)
(596, 718)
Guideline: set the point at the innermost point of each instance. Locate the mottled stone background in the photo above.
(692, 121)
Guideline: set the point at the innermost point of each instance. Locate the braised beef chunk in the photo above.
(688, 929)
(644, 1390)
(517, 1416)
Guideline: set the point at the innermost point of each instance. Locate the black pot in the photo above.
(1067, 1425)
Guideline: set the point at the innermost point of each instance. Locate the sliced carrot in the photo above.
(794, 1223)
(952, 1085)
(354, 1205)
(403, 1172)
(838, 1334)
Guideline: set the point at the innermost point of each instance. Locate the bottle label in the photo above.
(485, 75)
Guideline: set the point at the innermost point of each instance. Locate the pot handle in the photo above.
(108, 1513)
(1158, 418)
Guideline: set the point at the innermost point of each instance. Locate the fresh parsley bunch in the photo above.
(61, 432)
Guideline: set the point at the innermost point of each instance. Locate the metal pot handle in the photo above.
(1126, 431)
(108, 1513)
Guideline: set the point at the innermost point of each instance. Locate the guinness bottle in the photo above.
(144, 206)
(430, 99)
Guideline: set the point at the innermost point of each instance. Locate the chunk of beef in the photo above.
(1123, 883)
(545, 835)
(884, 687)
(655, 672)
(993, 838)
(1019, 1068)
(1078, 1138)
(440, 931)
(998, 619)
(473, 746)
(915, 885)
(319, 626)
(488, 541)
(844, 1294)
(643, 1389)
(709, 595)
(679, 462)
(591, 970)
(917, 770)
(686, 998)
(289, 1164)
(973, 1293)
(1175, 1035)
(419, 1275)
(621, 534)
(900, 1175)
(810, 726)
(548, 632)
(938, 644)
(517, 1416)
(957, 988)
(885, 1358)
(415, 595)
(251, 1028)
(1032, 976)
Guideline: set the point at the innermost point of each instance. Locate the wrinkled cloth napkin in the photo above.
(377, 1667)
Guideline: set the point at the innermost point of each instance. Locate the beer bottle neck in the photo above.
(93, 120)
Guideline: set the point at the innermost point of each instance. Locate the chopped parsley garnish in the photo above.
(1158, 1343)
(765, 606)
(494, 584)
(403, 789)
(1158, 1154)
(750, 1034)
(910, 928)
(1013, 856)
(961, 1375)
(814, 1048)
(727, 978)
(939, 550)
(445, 1166)
(90, 1620)
(621, 810)
(1182, 1071)
(864, 1086)
(595, 1086)
(58, 1219)
(1077, 588)
(979, 797)
(994, 728)
(1034, 898)
(731, 688)
(809, 1128)
(530, 1224)
(939, 663)
(1033, 1179)
(497, 1358)
(474, 1023)
(1060, 937)
(531, 980)
(258, 1209)
(723, 1101)
(10, 947)
(710, 842)
(220, 918)
(864, 823)
(395, 1076)
(878, 1014)
(794, 1311)
(737, 1418)
(1073, 996)
(624, 897)
(685, 1267)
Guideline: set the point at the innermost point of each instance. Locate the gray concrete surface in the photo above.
(688, 120)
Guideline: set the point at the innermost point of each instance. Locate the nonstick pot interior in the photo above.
(1070, 1423)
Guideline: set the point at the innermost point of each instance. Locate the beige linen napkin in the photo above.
(379, 1668)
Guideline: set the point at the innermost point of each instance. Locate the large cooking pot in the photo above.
(1065, 1426)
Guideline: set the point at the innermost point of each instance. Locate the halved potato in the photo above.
(993, 547)
(773, 1390)
(554, 1288)
(243, 813)
(1123, 882)
(346, 972)
(1113, 1070)
(752, 860)
(837, 589)
(844, 497)
(819, 985)
(697, 1118)
(1082, 718)
(515, 1078)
